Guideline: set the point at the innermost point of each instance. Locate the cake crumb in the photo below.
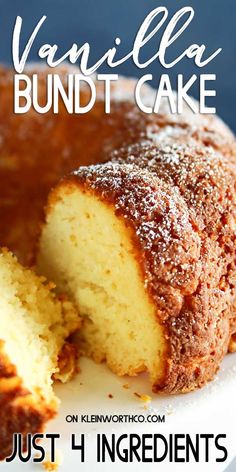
(143, 398)
(50, 466)
(169, 410)
(51, 285)
(126, 386)
(53, 466)
(110, 395)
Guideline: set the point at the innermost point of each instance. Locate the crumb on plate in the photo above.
(143, 398)
(53, 466)
(126, 386)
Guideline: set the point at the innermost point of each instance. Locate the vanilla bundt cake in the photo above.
(34, 325)
(143, 240)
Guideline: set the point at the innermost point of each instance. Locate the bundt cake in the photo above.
(141, 236)
(34, 325)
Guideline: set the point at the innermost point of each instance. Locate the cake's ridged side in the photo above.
(20, 410)
(206, 180)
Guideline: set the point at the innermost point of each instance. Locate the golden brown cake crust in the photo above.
(180, 202)
(20, 412)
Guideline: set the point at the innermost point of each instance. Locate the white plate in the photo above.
(209, 410)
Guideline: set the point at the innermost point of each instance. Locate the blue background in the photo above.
(100, 21)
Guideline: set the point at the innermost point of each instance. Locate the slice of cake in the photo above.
(97, 244)
(34, 326)
(145, 245)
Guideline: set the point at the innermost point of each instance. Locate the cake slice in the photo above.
(145, 246)
(108, 231)
(34, 326)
